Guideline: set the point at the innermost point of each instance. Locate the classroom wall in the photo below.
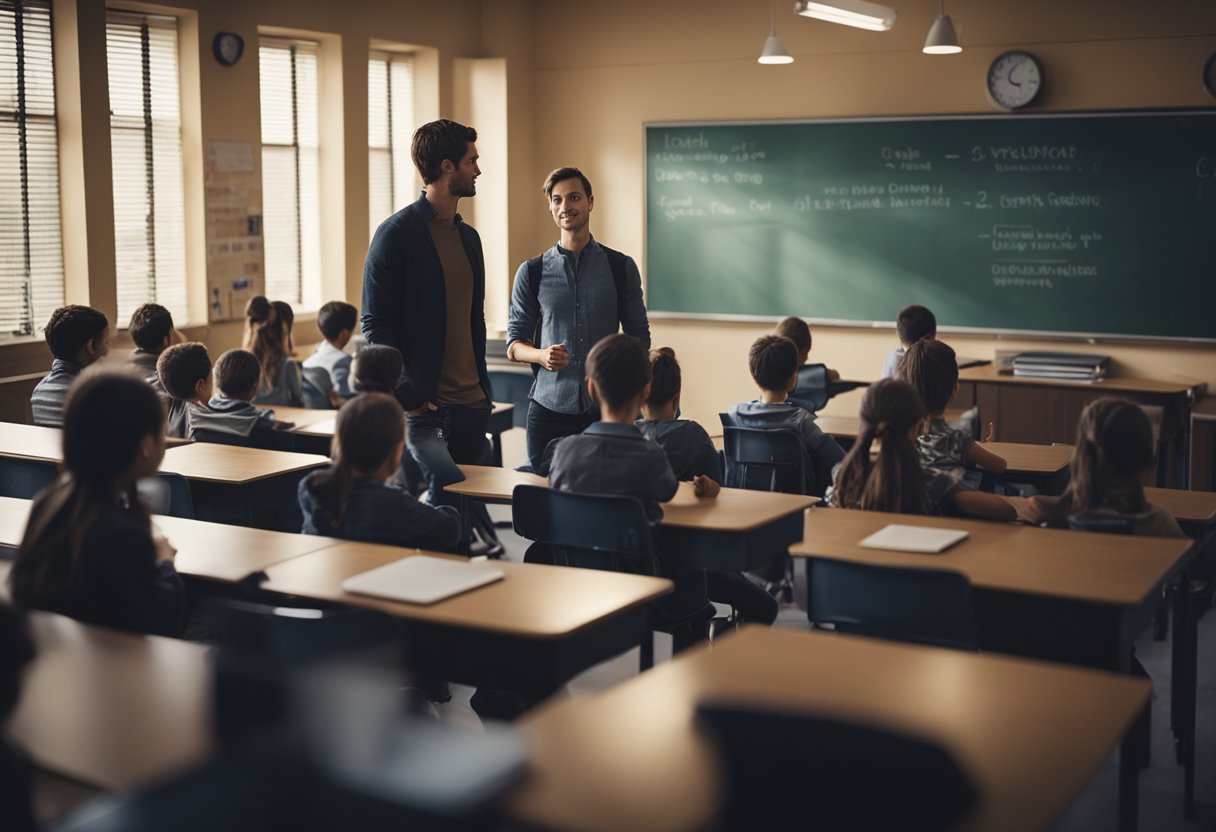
(603, 70)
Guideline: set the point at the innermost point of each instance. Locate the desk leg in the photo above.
(646, 645)
(1184, 671)
(1129, 786)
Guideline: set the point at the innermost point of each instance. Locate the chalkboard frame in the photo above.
(1037, 334)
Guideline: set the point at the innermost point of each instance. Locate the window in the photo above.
(146, 152)
(390, 127)
(291, 221)
(31, 251)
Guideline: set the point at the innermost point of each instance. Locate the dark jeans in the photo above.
(545, 425)
(441, 439)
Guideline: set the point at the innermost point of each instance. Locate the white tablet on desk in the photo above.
(420, 579)
(914, 539)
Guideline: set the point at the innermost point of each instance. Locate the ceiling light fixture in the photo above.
(774, 51)
(856, 13)
(942, 40)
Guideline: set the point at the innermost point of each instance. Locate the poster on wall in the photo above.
(234, 229)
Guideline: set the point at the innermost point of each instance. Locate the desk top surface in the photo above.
(733, 510)
(1082, 566)
(313, 422)
(233, 464)
(215, 551)
(113, 709)
(1030, 734)
(30, 441)
(1024, 458)
(532, 601)
(1185, 506)
(988, 373)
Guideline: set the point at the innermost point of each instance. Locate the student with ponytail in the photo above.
(267, 335)
(351, 498)
(89, 549)
(1114, 451)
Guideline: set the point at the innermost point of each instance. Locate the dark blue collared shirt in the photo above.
(608, 458)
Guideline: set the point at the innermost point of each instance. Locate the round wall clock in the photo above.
(1015, 79)
(228, 47)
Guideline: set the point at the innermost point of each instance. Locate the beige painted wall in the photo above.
(603, 70)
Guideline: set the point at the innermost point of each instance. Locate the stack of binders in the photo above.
(1068, 366)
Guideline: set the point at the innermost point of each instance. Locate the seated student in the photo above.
(267, 337)
(693, 457)
(78, 336)
(231, 410)
(914, 323)
(376, 369)
(351, 498)
(799, 332)
(612, 457)
(89, 549)
(773, 361)
(688, 447)
(152, 331)
(931, 369)
(184, 371)
(337, 321)
(1114, 451)
(891, 412)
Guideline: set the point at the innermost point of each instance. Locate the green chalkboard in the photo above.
(1093, 225)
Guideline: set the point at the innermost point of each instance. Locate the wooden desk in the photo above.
(1043, 411)
(736, 530)
(1030, 734)
(531, 632)
(1203, 445)
(30, 442)
(1197, 507)
(245, 486)
(110, 709)
(1070, 596)
(1034, 460)
(301, 417)
(213, 551)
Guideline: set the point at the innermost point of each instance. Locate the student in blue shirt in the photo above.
(88, 550)
(337, 321)
(577, 292)
(351, 499)
(773, 361)
(184, 372)
(913, 323)
(78, 336)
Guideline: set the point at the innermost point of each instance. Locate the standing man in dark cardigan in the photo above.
(424, 285)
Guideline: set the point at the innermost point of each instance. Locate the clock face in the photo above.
(1014, 79)
(228, 48)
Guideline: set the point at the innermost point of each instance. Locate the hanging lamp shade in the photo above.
(774, 52)
(942, 40)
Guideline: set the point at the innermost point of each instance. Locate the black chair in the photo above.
(595, 531)
(1100, 522)
(315, 385)
(268, 440)
(802, 771)
(924, 606)
(766, 460)
(167, 494)
(513, 387)
(812, 392)
(23, 478)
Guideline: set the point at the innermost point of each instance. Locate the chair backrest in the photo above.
(1100, 522)
(269, 440)
(812, 772)
(812, 390)
(23, 478)
(766, 460)
(167, 494)
(316, 384)
(513, 387)
(595, 531)
(925, 606)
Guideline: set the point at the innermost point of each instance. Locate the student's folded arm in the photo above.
(824, 447)
(636, 322)
(708, 461)
(664, 480)
(981, 457)
(525, 310)
(984, 505)
(435, 527)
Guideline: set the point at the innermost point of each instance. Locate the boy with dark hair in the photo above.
(773, 361)
(811, 378)
(376, 369)
(184, 373)
(948, 455)
(231, 409)
(329, 363)
(689, 449)
(151, 329)
(914, 323)
(78, 336)
(613, 457)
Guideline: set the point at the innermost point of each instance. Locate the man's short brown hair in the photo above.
(437, 141)
(237, 372)
(181, 367)
(773, 360)
(561, 175)
(797, 331)
(620, 368)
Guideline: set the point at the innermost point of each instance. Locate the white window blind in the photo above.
(146, 152)
(31, 250)
(290, 191)
(390, 127)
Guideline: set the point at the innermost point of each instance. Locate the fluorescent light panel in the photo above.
(857, 13)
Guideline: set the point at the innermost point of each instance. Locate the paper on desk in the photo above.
(914, 539)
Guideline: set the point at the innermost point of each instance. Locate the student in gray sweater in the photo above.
(231, 409)
(184, 373)
(78, 336)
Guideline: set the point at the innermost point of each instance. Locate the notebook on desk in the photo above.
(913, 539)
(420, 579)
